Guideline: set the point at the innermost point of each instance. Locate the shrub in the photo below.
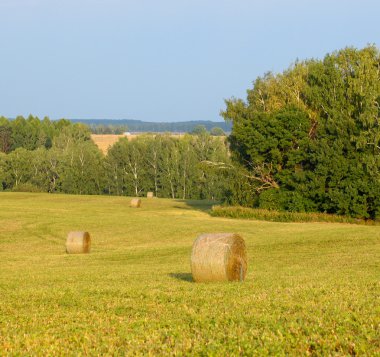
(283, 216)
(270, 200)
(26, 187)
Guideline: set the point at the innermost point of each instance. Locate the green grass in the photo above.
(311, 288)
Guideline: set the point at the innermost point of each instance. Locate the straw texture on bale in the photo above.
(219, 257)
(135, 202)
(149, 195)
(78, 242)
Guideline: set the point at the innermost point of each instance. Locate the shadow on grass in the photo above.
(199, 205)
(182, 276)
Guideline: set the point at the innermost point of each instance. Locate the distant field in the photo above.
(104, 142)
(311, 288)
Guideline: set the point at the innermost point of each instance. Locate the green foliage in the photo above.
(73, 164)
(270, 200)
(5, 135)
(17, 167)
(108, 129)
(81, 170)
(199, 129)
(2, 170)
(30, 133)
(217, 131)
(313, 133)
(294, 201)
(26, 187)
(170, 167)
(240, 189)
(281, 200)
(148, 127)
(68, 161)
(278, 138)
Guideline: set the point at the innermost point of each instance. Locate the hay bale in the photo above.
(149, 195)
(78, 242)
(219, 257)
(135, 202)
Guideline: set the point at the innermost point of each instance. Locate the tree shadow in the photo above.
(199, 205)
(182, 276)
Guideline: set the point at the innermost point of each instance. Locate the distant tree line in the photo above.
(30, 133)
(120, 129)
(308, 139)
(154, 127)
(108, 129)
(59, 156)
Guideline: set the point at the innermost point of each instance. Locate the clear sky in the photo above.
(161, 60)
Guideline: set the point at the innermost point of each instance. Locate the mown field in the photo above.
(106, 141)
(311, 288)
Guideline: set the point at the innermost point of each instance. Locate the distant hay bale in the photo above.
(135, 202)
(219, 257)
(78, 242)
(149, 195)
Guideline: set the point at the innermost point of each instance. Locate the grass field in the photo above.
(311, 288)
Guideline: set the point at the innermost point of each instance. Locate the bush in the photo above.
(240, 191)
(26, 187)
(293, 201)
(283, 216)
(270, 200)
(278, 200)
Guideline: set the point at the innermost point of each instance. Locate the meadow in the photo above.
(311, 288)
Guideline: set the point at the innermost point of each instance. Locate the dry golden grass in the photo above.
(104, 142)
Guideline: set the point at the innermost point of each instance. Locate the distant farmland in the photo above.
(105, 141)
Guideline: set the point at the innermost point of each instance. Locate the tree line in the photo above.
(155, 127)
(30, 133)
(50, 156)
(308, 139)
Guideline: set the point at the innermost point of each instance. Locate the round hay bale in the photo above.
(149, 195)
(78, 242)
(219, 257)
(135, 202)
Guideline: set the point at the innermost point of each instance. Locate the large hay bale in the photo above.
(149, 195)
(219, 257)
(135, 202)
(78, 242)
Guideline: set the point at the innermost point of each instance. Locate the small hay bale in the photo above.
(135, 203)
(219, 257)
(78, 242)
(149, 195)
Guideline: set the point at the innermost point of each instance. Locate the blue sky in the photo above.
(161, 60)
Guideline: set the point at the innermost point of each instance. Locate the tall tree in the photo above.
(313, 134)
